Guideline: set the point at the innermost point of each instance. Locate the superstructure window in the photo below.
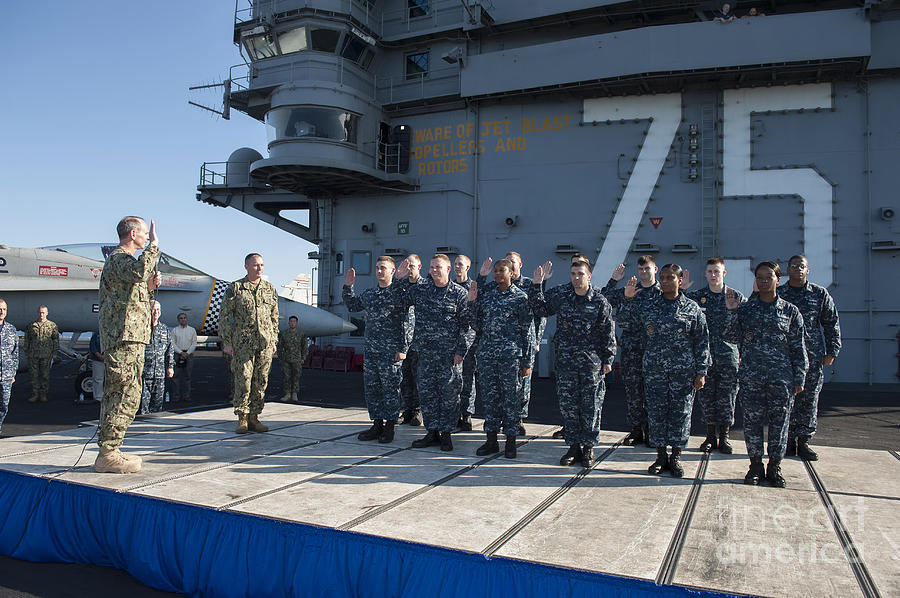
(354, 48)
(417, 65)
(418, 8)
(324, 40)
(311, 121)
(361, 261)
(261, 46)
(293, 40)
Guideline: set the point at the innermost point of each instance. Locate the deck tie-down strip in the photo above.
(666, 573)
(506, 536)
(863, 577)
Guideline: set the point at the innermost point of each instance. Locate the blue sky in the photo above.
(95, 125)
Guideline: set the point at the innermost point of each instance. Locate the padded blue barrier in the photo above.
(204, 552)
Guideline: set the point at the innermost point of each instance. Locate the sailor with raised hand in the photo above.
(125, 287)
(585, 348)
(769, 332)
(503, 321)
(387, 344)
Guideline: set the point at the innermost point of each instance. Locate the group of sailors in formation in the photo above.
(767, 352)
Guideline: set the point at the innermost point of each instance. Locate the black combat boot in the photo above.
(509, 451)
(724, 445)
(465, 423)
(756, 472)
(791, 450)
(446, 443)
(804, 451)
(387, 434)
(773, 473)
(675, 465)
(373, 432)
(711, 441)
(661, 464)
(430, 439)
(636, 436)
(559, 434)
(587, 456)
(490, 446)
(569, 457)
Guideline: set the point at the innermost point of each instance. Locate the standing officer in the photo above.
(442, 336)
(409, 389)
(159, 363)
(505, 325)
(248, 326)
(524, 283)
(387, 345)
(773, 368)
(819, 316)
(676, 359)
(467, 394)
(585, 348)
(9, 360)
(41, 345)
(632, 355)
(125, 287)
(718, 394)
(293, 347)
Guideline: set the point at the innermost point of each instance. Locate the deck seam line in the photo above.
(420, 491)
(860, 571)
(667, 568)
(545, 504)
(895, 453)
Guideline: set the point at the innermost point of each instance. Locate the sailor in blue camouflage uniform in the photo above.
(159, 363)
(409, 391)
(631, 342)
(386, 347)
(524, 283)
(718, 395)
(468, 391)
(584, 347)
(769, 331)
(502, 319)
(9, 360)
(676, 360)
(442, 336)
(823, 343)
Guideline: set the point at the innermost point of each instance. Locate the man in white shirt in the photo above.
(185, 342)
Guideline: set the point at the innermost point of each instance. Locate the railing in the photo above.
(441, 13)
(209, 177)
(400, 88)
(265, 10)
(391, 157)
(307, 66)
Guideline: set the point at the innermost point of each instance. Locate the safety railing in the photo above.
(309, 66)
(431, 84)
(365, 13)
(210, 177)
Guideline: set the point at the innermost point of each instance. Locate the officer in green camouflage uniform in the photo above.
(293, 346)
(125, 287)
(248, 326)
(41, 345)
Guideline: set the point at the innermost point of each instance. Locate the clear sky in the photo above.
(95, 125)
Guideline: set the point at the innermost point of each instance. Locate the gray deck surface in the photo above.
(707, 530)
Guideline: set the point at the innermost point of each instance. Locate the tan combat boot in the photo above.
(254, 425)
(294, 398)
(242, 424)
(132, 458)
(113, 461)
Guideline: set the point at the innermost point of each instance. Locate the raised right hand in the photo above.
(350, 278)
(631, 288)
(154, 240)
(402, 270)
(538, 275)
(486, 267)
(619, 272)
(548, 269)
(731, 301)
(473, 291)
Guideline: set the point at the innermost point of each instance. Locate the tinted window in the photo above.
(324, 40)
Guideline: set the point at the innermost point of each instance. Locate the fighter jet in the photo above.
(66, 279)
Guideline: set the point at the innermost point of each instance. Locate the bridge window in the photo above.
(261, 46)
(293, 40)
(418, 8)
(324, 40)
(310, 121)
(417, 65)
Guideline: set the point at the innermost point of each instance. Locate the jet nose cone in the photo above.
(348, 327)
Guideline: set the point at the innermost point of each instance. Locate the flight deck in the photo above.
(834, 531)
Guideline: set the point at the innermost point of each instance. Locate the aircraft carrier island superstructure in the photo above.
(610, 128)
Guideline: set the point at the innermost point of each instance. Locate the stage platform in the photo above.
(307, 509)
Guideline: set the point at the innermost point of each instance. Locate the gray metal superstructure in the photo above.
(613, 129)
